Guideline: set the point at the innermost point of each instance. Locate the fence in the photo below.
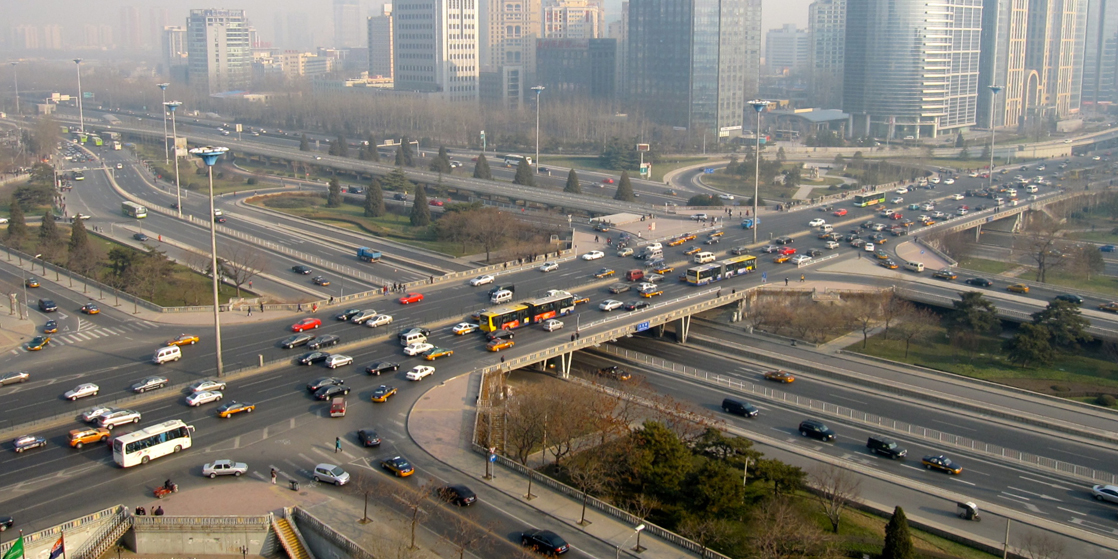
(262, 521)
(53, 532)
(307, 520)
(107, 537)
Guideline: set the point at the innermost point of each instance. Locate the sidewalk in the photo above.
(446, 414)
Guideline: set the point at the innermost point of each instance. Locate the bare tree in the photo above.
(414, 498)
(1043, 233)
(835, 488)
(1041, 545)
(783, 532)
(916, 325)
(240, 263)
(588, 475)
(865, 312)
(465, 534)
(641, 506)
(706, 532)
(892, 308)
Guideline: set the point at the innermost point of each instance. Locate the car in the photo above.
(949, 181)
(889, 264)
(1105, 493)
(550, 266)
(816, 430)
(831, 245)
(610, 305)
(328, 392)
(297, 340)
(319, 280)
(82, 437)
(711, 241)
(379, 320)
(769, 249)
(607, 181)
(118, 417)
(347, 314)
(312, 357)
(204, 397)
(46, 305)
(881, 254)
(224, 468)
(458, 494)
(482, 280)
(784, 240)
(624, 252)
(38, 343)
(1017, 288)
(551, 325)
(693, 250)
(980, 282)
(437, 352)
(801, 259)
(593, 255)
(368, 437)
(1109, 307)
(945, 274)
(182, 339)
(383, 392)
(50, 327)
(1107, 248)
(902, 190)
(16, 377)
(380, 367)
(544, 541)
(435, 203)
(780, 376)
(219, 219)
(329, 473)
(417, 348)
(604, 273)
(411, 298)
(419, 372)
(317, 383)
(398, 465)
(941, 463)
(410, 331)
(32, 282)
(636, 305)
(149, 383)
(28, 442)
(463, 328)
(306, 324)
(784, 251)
(956, 197)
(579, 299)
(498, 345)
(233, 408)
(817, 222)
(1069, 298)
(650, 292)
(93, 414)
(840, 212)
(739, 250)
(782, 258)
(614, 372)
(300, 269)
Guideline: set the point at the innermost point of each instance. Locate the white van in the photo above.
(502, 296)
(653, 246)
(1031, 189)
(217, 212)
(165, 354)
(826, 228)
(412, 338)
(914, 266)
(704, 257)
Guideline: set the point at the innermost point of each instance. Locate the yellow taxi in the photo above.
(32, 282)
(663, 269)
(498, 345)
(1109, 307)
(182, 339)
(928, 222)
(889, 264)
(233, 408)
(692, 250)
(91, 308)
(782, 258)
(718, 233)
(82, 437)
(677, 242)
(398, 466)
(881, 255)
(38, 342)
(1017, 288)
(383, 392)
(650, 293)
(437, 352)
(604, 273)
(780, 376)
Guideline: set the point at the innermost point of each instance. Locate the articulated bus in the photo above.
(132, 209)
(532, 312)
(140, 447)
(723, 269)
(863, 200)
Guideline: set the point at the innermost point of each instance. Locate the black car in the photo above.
(501, 334)
(327, 392)
(323, 341)
(219, 219)
(399, 196)
(867, 225)
(735, 406)
(980, 282)
(458, 494)
(149, 383)
(140, 237)
(46, 305)
(317, 383)
(885, 446)
(1068, 297)
(6, 522)
(816, 430)
(368, 437)
(312, 357)
(345, 315)
(784, 240)
(296, 340)
(300, 269)
(814, 253)
(636, 305)
(544, 541)
(381, 367)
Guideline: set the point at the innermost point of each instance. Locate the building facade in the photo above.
(573, 19)
(619, 30)
(380, 43)
(577, 68)
(219, 51)
(436, 48)
(509, 31)
(787, 49)
(911, 66)
(347, 24)
(173, 47)
(826, 52)
(1100, 61)
(130, 37)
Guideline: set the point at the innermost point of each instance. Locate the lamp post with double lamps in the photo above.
(171, 106)
(994, 90)
(538, 89)
(209, 156)
(166, 149)
(758, 105)
(81, 115)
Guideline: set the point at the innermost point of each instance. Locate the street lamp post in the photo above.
(81, 115)
(636, 532)
(758, 105)
(994, 90)
(15, 76)
(538, 89)
(209, 156)
(25, 300)
(175, 133)
(166, 149)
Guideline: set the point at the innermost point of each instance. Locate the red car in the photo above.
(411, 298)
(607, 181)
(787, 250)
(435, 202)
(897, 216)
(840, 213)
(306, 324)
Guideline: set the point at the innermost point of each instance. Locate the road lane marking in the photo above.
(1045, 483)
(952, 424)
(961, 481)
(1071, 453)
(1041, 495)
(1072, 511)
(1015, 496)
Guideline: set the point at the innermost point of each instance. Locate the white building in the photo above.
(573, 19)
(174, 47)
(436, 48)
(381, 43)
(786, 49)
(219, 50)
(347, 24)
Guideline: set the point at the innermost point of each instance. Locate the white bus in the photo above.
(514, 160)
(140, 447)
(132, 209)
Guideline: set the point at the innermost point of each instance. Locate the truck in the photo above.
(368, 255)
(750, 223)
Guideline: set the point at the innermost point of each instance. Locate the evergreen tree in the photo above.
(49, 240)
(304, 143)
(343, 146)
(573, 187)
(780, 156)
(481, 169)
(624, 189)
(975, 313)
(524, 175)
(81, 257)
(404, 155)
(959, 141)
(898, 540)
(17, 224)
(334, 197)
(397, 181)
(441, 163)
(374, 155)
(964, 153)
(420, 213)
(985, 153)
(374, 199)
(1030, 345)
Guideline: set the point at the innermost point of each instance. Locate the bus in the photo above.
(97, 141)
(115, 136)
(513, 160)
(132, 209)
(140, 447)
(559, 303)
(723, 269)
(863, 200)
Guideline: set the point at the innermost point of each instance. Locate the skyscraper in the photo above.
(380, 43)
(619, 30)
(573, 19)
(436, 47)
(786, 49)
(219, 50)
(52, 37)
(347, 24)
(1100, 66)
(911, 66)
(509, 29)
(826, 51)
(173, 47)
(130, 34)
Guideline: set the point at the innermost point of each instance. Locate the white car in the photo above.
(552, 325)
(610, 305)
(207, 386)
(935, 180)
(817, 222)
(949, 181)
(417, 348)
(1096, 158)
(896, 200)
(463, 328)
(831, 245)
(379, 320)
(549, 267)
(92, 415)
(205, 397)
(337, 360)
(645, 285)
(901, 190)
(928, 207)
(119, 417)
(961, 211)
(224, 468)
(726, 196)
(800, 259)
(82, 391)
(482, 280)
(329, 473)
(419, 372)
(593, 255)
(939, 215)
(973, 175)
(956, 197)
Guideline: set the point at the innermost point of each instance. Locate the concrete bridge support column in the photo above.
(564, 362)
(1019, 223)
(978, 233)
(659, 330)
(681, 329)
(739, 310)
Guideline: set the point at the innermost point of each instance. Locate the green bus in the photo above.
(132, 209)
(863, 200)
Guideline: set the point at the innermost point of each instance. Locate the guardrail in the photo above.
(109, 535)
(260, 521)
(339, 540)
(54, 531)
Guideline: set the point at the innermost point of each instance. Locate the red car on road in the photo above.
(840, 213)
(306, 324)
(607, 181)
(787, 250)
(435, 202)
(411, 298)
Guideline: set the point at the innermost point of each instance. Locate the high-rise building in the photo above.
(380, 44)
(158, 18)
(573, 19)
(436, 47)
(826, 52)
(688, 61)
(219, 50)
(51, 37)
(97, 36)
(911, 66)
(1100, 64)
(299, 36)
(173, 48)
(1034, 49)
(509, 29)
(278, 39)
(131, 36)
(786, 49)
(26, 37)
(574, 68)
(619, 30)
(347, 24)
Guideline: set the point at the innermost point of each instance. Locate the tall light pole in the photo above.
(636, 532)
(209, 156)
(175, 132)
(994, 90)
(758, 105)
(538, 89)
(81, 115)
(166, 148)
(15, 76)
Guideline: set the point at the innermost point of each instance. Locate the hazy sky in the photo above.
(73, 14)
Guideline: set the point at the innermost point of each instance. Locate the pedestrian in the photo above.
(140, 511)
(331, 299)
(719, 292)
(595, 238)
(314, 307)
(572, 337)
(299, 307)
(337, 445)
(502, 359)
(250, 311)
(159, 510)
(274, 476)
(802, 278)
(578, 335)
(786, 282)
(261, 306)
(250, 284)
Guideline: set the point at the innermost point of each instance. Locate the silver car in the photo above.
(224, 468)
(329, 473)
(207, 386)
(82, 391)
(610, 304)
(92, 415)
(118, 417)
(204, 397)
(362, 316)
(379, 320)
(1105, 493)
(14, 377)
(150, 383)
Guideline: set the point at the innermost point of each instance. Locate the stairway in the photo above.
(289, 540)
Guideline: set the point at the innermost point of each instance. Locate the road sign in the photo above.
(643, 326)
(492, 457)
(643, 147)
(709, 170)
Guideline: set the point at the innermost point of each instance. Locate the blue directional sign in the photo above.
(643, 326)
(492, 457)
(709, 170)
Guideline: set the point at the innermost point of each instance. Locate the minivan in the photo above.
(502, 296)
(703, 257)
(167, 353)
(914, 266)
(885, 447)
(634, 275)
(730, 405)
(408, 338)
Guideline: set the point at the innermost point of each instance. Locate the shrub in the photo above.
(1105, 400)
(250, 181)
(292, 201)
